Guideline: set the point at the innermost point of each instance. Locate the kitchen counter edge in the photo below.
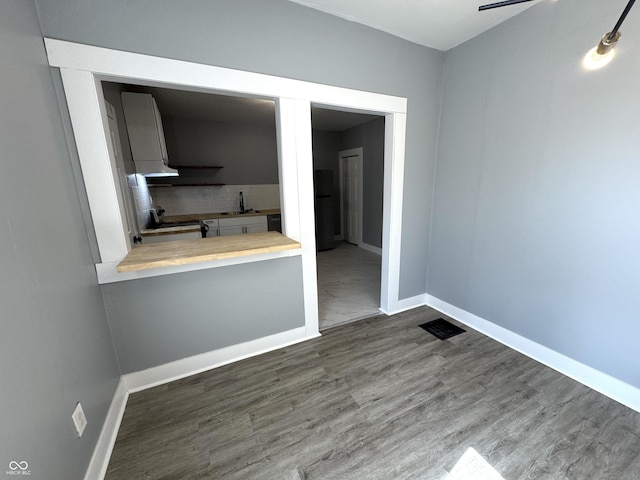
(209, 253)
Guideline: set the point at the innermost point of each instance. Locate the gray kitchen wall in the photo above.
(247, 151)
(370, 136)
(285, 39)
(535, 225)
(55, 347)
(161, 319)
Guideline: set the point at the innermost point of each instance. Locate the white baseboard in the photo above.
(107, 439)
(601, 382)
(370, 248)
(185, 367)
(406, 304)
(137, 381)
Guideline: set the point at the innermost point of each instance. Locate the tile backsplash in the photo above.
(178, 200)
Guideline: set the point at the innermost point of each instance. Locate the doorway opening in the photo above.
(349, 150)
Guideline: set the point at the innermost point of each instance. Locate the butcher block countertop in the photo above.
(183, 252)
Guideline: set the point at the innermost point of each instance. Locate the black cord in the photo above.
(502, 4)
(621, 19)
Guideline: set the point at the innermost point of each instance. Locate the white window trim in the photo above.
(83, 67)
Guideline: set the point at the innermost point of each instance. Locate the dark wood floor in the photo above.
(377, 399)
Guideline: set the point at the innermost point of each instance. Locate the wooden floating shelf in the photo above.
(183, 167)
(186, 185)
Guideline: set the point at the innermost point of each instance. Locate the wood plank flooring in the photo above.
(377, 399)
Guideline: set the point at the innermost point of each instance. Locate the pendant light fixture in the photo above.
(598, 56)
(604, 52)
(610, 39)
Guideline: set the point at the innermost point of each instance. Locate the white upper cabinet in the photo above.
(144, 126)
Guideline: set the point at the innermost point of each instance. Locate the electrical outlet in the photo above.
(79, 419)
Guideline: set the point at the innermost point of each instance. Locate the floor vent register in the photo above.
(442, 329)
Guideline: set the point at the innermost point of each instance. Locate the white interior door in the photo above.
(351, 173)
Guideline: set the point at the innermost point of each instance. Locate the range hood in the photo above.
(153, 169)
(146, 135)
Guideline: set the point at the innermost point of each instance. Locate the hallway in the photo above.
(348, 284)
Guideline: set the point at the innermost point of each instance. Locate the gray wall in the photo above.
(248, 152)
(370, 136)
(285, 39)
(161, 319)
(535, 225)
(55, 347)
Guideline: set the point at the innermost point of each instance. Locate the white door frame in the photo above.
(83, 67)
(342, 155)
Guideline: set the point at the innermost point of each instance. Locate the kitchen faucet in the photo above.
(241, 203)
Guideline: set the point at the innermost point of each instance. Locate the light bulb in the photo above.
(593, 60)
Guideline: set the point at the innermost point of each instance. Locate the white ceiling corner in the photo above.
(439, 24)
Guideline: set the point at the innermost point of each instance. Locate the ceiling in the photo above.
(226, 108)
(440, 24)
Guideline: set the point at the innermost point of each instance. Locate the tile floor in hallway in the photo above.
(348, 284)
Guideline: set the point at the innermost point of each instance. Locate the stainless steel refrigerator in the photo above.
(323, 188)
